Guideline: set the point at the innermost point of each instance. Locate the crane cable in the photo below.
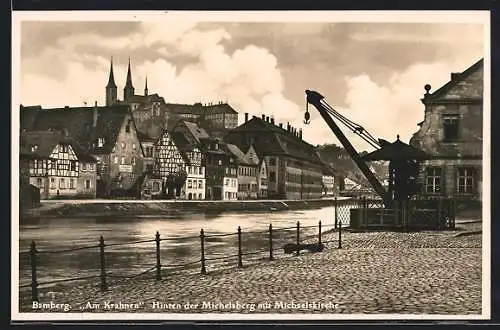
(356, 128)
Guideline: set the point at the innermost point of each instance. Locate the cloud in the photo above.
(216, 67)
(388, 110)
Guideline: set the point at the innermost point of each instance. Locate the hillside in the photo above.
(338, 158)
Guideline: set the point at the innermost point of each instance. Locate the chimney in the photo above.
(254, 116)
(288, 127)
(95, 115)
(272, 120)
(454, 75)
(300, 133)
(66, 107)
(246, 117)
(263, 117)
(281, 125)
(267, 119)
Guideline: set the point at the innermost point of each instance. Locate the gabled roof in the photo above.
(238, 154)
(269, 139)
(78, 121)
(47, 141)
(455, 79)
(146, 98)
(219, 108)
(197, 132)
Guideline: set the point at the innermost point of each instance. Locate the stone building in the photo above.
(452, 133)
(294, 168)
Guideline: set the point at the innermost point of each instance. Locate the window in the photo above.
(465, 180)
(71, 183)
(272, 161)
(272, 176)
(62, 183)
(87, 184)
(114, 149)
(220, 162)
(84, 167)
(39, 182)
(116, 160)
(190, 184)
(123, 161)
(227, 170)
(200, 184)
(227, 182)
(34, 148)
(433, 180)
(52, 183)
(216, 146)
(124, 145)
(450, 127)
(100, 142)
(134, 146)
(156, 187)
(73, 165)
(91, 166)
(200, 170)
(200, 196)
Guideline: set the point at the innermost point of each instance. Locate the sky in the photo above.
(372, 73)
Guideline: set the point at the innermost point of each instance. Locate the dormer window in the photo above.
(100, 142)
(34, 148)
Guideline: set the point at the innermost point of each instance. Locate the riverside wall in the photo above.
(127, 208)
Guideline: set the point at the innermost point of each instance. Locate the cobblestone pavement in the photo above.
(384, 272)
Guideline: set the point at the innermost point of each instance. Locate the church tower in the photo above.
(111, 89)
(146, 87)
(128, 91)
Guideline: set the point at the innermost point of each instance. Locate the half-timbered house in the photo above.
(55, 165)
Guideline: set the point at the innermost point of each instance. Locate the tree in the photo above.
(179, 181)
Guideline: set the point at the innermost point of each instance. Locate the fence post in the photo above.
(336, 213)
(396, 214)
(158, 261)
(240, 262)
(104, 286)
(34, 283)
(440, 213)
(340, 234)
(298, 237)
(202, 240)
(319, 233)
(270, 242)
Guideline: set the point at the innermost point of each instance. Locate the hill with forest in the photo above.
(343, 165)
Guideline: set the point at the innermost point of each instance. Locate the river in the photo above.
(182, 244)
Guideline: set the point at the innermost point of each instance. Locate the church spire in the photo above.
(111, 89)
(146, 87)
(129, 90)
(111, 80)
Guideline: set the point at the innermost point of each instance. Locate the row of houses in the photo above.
(88, 152)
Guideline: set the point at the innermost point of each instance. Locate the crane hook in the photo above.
(307, 115)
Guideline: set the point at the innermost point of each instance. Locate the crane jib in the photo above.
(317, 100)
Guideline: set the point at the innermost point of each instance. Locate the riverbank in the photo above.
(127, 208)
(435, 273)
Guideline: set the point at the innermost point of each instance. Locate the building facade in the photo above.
(107, 133)
(294, 168)
(55, 165)
(452, 134)
(248, 170)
